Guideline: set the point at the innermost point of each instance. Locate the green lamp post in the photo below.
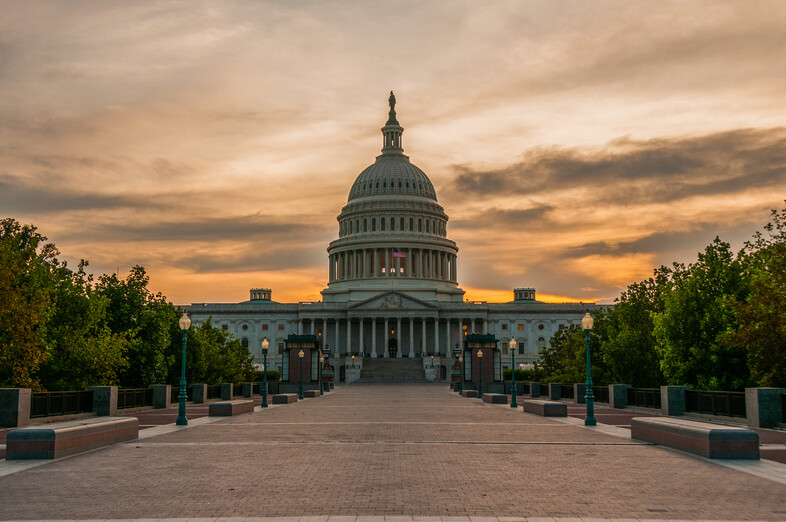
(265, 346)
(480, 374)
(321, 360)
(513, 345)
(587, 323)
(300, 391)
(185, 324)
(461, 374)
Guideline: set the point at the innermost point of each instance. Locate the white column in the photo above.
(436, 335)
(423, 324)
(360, 344)
(385, 340)
(398, 337)
(349, 336)
(472, 326)
(411, 336)
(373, 337)
(335, 341)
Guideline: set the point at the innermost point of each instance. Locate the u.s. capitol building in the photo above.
(392, 283)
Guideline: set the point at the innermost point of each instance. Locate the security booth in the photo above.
(308, 346)
(481, 352)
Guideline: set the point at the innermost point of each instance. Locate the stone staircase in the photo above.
(392, 370)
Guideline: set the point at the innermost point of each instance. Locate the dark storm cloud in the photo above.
(19, 197)
(628, 171)
(504, 217)
(281, 258)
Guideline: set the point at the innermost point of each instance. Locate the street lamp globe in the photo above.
(480, 354)
(513, 344)
(587, 322)
(185, 322)
(265, 346)
(301, 354)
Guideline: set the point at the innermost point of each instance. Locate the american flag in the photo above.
(399, 253)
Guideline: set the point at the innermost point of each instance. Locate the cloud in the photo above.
(628, 171)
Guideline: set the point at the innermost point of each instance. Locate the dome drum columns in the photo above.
(413, 263)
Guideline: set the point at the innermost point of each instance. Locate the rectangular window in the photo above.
(522, 348)
(504, 326)
(467, 366)
(314, 366)
(224, 327)
(264, 328)
(504, 347)
(281, 327)
(497, 366)
(285, 366)
(521, 327)
(562, 327)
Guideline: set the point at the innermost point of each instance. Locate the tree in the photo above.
(692, 331)
(26, 289)
(762, 316)
(628, 348)
(146, 319)
(565, 359)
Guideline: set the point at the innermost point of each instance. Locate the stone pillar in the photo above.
(199, 392)
(361, 341)
(534, 389)
(618, 396)
(335, 336)
(385, 340)
(247, 388)
(15, 407)
(436, 334)
(399, 353)
(423, 325)
(162, 396)
(764, 406)
(349, 337)
(579, 390)
(227, 389)
(411, 336)
(672, 400)
(104, 400)
(555, 390)
(373, 337)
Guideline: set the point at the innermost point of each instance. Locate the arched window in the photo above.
(365, 225)
(541, 344)
(392, 223)
(373, 224)
(427, 226)
(244, 342)
(420, 225)
(411, 224)
(401, 224)
(382, 224)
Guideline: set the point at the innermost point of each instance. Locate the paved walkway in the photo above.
(403, 452)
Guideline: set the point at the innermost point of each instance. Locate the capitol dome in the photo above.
(392, 231)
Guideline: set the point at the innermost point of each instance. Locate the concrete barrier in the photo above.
(545, 408)
(495, 398)
(284, 398)
(60, 439)
(714, 441)
(229, 408)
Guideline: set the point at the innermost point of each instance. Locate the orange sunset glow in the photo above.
(575, 146)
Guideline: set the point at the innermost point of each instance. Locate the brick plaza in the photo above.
(403, 452)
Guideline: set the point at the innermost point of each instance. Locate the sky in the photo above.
(575, 145)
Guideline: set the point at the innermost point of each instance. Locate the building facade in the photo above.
(392, 286)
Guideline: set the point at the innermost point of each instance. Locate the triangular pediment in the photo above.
(392, 301)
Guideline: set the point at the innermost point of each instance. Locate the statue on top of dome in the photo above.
(392, 114)
(392, 101)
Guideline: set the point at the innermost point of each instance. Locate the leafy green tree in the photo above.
(628, 346)
(84, 350)
(147, 321)
(692, 331)
(762, 316)
(213, 355)
(26, 289)
(565, 360)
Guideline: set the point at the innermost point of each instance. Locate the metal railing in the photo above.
(213, 391)
(728, 404)
(524, 387)
(255, 389)
(50, 404)
(567, 391)
(134, 398)
(237, 390)
(176, 392)
(644, 397)
(601, 393)
(544, 389)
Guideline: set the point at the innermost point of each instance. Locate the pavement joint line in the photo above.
(393, 422)
(384, 518)
(388, 442)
